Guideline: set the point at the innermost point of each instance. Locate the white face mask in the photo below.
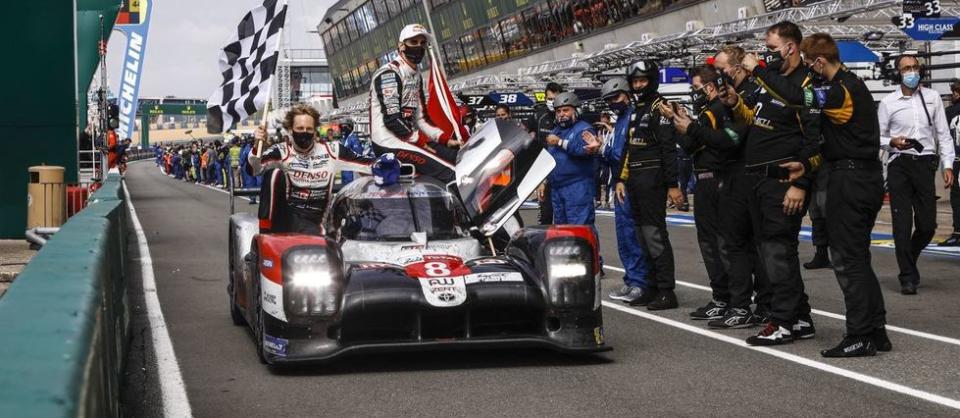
(550, 105)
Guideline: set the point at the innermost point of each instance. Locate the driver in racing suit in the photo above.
(397, 103)
(299, 177)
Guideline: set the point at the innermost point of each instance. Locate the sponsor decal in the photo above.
(494, 277)
(410, 157)
(268, 263)
(372, 266)
(275, 345)
(487, 261)
(271, 298)
(444, 292)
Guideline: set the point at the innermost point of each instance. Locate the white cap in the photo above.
(413, 31)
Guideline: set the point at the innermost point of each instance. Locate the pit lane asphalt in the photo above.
(655, 368)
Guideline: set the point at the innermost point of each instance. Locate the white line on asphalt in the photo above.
(172, 390)
(870, 380)
(900, 330)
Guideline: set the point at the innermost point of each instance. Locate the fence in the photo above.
(65, 320)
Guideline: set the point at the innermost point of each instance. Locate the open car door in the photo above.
(500, 166)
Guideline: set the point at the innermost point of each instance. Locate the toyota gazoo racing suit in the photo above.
(297, 186)
(397, 123)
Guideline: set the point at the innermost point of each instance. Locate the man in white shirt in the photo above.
(913, 130)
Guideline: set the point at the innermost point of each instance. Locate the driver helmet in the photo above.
(386, 170)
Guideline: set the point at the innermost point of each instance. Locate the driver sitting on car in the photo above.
(300, 174)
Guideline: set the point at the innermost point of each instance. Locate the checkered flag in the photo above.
(247, 65)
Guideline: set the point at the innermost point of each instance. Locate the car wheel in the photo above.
(235, 314)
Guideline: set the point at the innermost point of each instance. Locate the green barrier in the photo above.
(64, 321)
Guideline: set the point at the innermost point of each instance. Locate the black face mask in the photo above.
(773, 60)
(414, 54)
(303, 140)
(699, 98)
(345, 131)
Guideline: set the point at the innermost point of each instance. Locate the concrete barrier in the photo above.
(64, 323)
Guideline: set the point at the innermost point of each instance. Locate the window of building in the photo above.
(380, 7)
(472, 50)
(370, 18)
(453, 56)
(393, 6)
(514, 36)
(492, 44)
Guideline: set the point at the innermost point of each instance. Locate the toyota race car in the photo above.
(423, 265)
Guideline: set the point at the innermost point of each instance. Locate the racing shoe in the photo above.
(803, 329)
(772, 334)
(666, 299)
(627, 294)
(852, 346)
(881, 340)
(649, 294)
(735, 318)
(713, 310)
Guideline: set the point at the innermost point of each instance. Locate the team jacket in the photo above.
(784, 124)
(850, 127)
(396, 108)
(311, 174)
(710, 137)
(612, 152)
(573, 162)
(651, 141)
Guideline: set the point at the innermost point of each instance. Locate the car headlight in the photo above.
(570, 279)
(312, 286)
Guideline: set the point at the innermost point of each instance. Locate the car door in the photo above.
(499, 167)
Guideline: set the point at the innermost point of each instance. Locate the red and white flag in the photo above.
(441, 107)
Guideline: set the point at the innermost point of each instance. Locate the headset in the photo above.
(895, 74)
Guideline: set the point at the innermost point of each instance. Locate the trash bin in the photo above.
(46, 197)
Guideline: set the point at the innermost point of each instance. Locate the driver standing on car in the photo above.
(397, 104)
(299, 178)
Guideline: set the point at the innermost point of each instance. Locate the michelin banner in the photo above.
(134, 22)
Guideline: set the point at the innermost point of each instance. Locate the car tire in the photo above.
(235, 314)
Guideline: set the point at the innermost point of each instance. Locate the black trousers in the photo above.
(275, 213)
(648, 197)
(777, 238)
(545, 212)
(853, 201)
(818, 206)
(913, 202)
(739, 248)
(706, 216)
(955, 198)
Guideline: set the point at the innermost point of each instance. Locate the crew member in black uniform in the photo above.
(953, 121)
(851, 146)
(782, 146)
(707, 139)
(541, 124)
(745, 274)
(649, 172)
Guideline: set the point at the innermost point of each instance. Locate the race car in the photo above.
(423, 265)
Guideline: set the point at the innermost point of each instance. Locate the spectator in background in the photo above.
(250, 181)
(233, 153)
(953, 121)
(503, 112)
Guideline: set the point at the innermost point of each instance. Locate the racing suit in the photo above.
(297, 186)
(397, 122)
(649, 169)
(631, 254)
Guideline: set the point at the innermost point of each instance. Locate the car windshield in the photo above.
(395, 212)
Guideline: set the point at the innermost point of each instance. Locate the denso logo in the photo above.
(411, 157)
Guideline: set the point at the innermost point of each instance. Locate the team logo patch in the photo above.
(275, 345)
